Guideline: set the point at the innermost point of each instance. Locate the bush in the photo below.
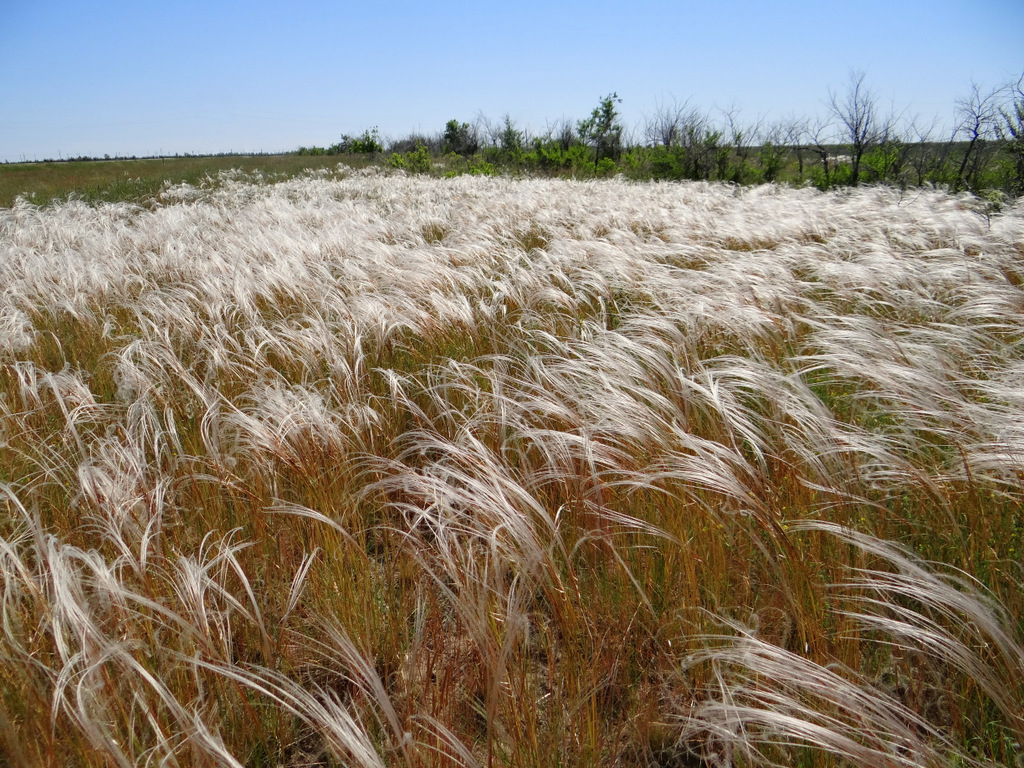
(460, 138)
(634, 163)
(480, 167)
(839, 175)
(550, 156)
(414, 161)
(771, 157)
(605, 167)
(368, 143)
(1013, 119)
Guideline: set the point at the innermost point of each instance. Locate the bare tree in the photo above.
(486, 130)
(563, 133)
(818, 135)
(977, 116)
(794, 131)
(741, 135)
(667, 127)
(926, 156)
(742, 138)
(857, 114)
(692, 140)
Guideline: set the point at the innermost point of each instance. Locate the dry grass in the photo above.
(379, 470)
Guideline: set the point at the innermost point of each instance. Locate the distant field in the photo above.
(371, 469)
(137, 180)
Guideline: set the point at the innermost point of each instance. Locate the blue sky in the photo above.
(141, 77)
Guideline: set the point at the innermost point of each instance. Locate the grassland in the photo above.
(142, 180)
(382, 470)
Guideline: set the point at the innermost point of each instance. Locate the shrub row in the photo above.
(855, 144)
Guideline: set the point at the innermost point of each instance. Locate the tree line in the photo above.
(855, 141)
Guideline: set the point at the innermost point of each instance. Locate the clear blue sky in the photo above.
(147, 77)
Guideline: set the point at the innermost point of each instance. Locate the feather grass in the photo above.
(381, 470)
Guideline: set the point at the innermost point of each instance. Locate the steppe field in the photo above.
(367, 469)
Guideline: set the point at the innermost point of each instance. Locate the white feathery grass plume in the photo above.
(17, 333)
(499, 369)
(953, 618)
(769, 697)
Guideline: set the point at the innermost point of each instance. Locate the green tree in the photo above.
(1013, 132)
(460, 138)
(602, 130)
(511, 140)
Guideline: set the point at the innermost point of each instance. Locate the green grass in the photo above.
(138, 181)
